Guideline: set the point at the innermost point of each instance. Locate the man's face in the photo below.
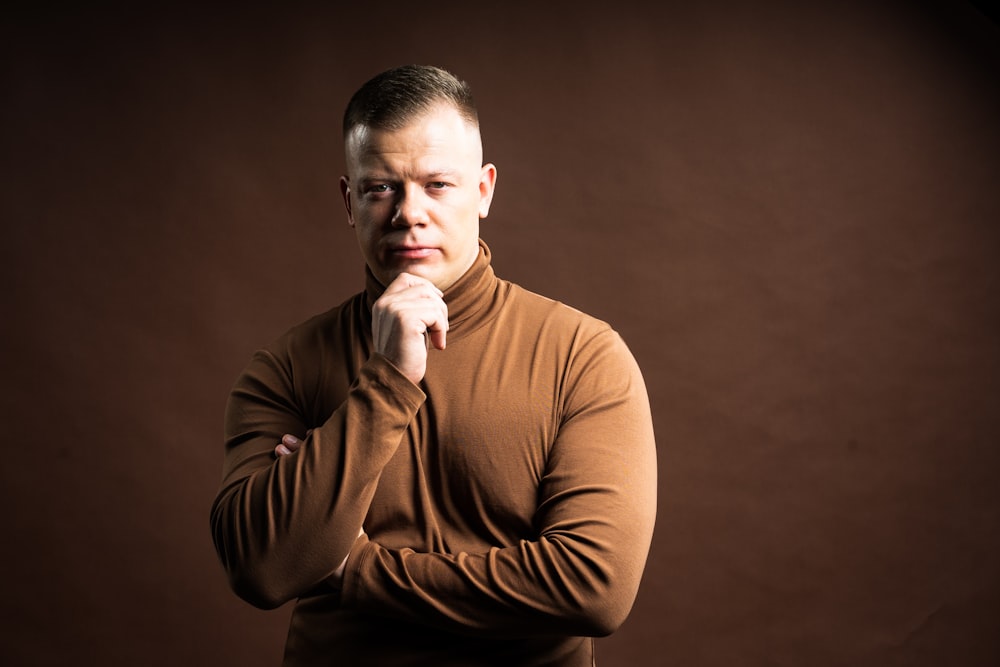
(415, 196)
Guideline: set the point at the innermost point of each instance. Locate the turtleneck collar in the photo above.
(472, 301)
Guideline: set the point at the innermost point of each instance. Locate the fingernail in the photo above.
(290, 439)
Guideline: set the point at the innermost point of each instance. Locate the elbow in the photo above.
(250, 580)
(602, 617)
(257, 591)
(595, 611)
(599, 591)
(252, 574)
(604, 601)
(603, 627)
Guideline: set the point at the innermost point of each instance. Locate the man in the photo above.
(445, 469)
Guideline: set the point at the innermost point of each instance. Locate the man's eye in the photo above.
(437, 185)
(379, 188)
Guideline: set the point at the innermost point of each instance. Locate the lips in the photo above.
(411, 251)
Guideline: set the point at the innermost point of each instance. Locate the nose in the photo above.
(411, 207)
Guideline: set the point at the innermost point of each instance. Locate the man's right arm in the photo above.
(283, 527)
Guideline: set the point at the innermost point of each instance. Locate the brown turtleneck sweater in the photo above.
(507, 501)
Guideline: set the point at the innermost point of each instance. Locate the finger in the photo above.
(436, 326)
(405, 281)
(436, 337)
(291, 441)
(417, 315)
(281, 450)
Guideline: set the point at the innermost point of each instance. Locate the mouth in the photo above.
(411, 252)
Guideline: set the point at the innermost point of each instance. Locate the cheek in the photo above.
(367, 220)
(460, 215)
(365, 235)
(362, 229)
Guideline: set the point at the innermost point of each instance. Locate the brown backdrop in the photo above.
(789, 210)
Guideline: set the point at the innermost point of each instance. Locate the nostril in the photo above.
(409, 214)
(401, 218)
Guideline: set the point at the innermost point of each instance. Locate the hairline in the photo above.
(411, 115)
(410, 118)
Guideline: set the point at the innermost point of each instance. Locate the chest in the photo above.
(472, 460)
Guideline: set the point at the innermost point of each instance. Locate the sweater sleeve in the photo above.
(281, 527)
(594, 519)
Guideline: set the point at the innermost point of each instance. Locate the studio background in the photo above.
(788, 210)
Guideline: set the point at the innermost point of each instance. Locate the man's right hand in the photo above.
(409, 313)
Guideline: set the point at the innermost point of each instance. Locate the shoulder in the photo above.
(595, 366)
(301, 367)
(554, 316)
(308, 349)
(565, 335)
(317, 333)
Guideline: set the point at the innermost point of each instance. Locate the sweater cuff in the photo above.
(350, 586)
(381, 372)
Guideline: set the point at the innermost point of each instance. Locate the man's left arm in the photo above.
(597, 504)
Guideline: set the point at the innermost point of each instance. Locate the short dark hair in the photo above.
(390, 100)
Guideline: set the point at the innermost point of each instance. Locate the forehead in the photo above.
(440, 134)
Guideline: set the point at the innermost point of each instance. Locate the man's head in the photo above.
(390, 100)
(416, 186)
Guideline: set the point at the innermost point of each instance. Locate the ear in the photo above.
(487, 182)
(345, 192)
